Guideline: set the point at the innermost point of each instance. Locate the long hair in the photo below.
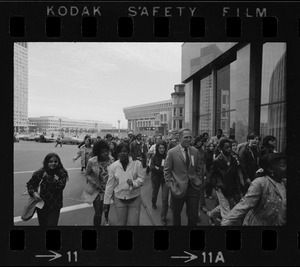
(47, 159)
(159, 143)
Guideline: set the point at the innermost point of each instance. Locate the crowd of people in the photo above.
(248, 179)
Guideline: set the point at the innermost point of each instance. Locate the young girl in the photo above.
(85, 152)
(52, 178)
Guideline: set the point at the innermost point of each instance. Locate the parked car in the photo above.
(45, 139)
(32, 137)
(71, 140)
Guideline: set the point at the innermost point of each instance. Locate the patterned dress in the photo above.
(51, 190)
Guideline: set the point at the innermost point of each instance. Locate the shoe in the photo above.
(154, 206)
(210, 219)
(107, 222)
(204, 209)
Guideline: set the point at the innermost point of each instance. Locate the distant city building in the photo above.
(150, 119)
(20, 87)
(55, 123)
(178, 107)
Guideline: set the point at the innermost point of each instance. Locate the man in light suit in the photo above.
(183, 173)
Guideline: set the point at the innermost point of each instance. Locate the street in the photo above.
(28, 157)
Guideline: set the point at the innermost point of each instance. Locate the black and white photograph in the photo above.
(149, 134)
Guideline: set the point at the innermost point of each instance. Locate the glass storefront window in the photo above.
(206, 108)
(273, 93)
(197, 55)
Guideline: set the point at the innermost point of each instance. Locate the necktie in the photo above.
(187, 158)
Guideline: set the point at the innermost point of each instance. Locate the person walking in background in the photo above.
(83, 142)
(126, 176)
(219, 134)
(205, 139)
(85, 153)
(265, 201)
(51, 178)
(184, 176)
(152, 151)
(157, 178)
(268, 145)
(174, 140)
(113, 150)
(249, 156)
(58, 140)
(138, 150)
(130, 138)
(208, 158)
(97, 176)
(226, 181)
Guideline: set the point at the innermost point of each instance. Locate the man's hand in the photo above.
(130, 182)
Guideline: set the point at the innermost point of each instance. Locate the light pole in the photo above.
(119, 126)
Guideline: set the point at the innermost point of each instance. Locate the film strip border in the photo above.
(161, 27)
(157, 246)
(155, 21)
(161, 240)
(241, 22)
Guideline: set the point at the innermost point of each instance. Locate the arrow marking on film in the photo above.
(190, 257)
(54, 256)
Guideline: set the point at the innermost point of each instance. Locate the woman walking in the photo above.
(126, 176)
(85, 153)
(51, 178)
(97, 176)
(157, 178)
(265, 201)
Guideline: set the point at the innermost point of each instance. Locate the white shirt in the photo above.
(183, 151)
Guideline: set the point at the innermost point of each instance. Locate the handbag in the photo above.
(89, 194)
(30, 207)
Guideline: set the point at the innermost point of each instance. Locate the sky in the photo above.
(95, 81)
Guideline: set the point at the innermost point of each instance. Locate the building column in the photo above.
(256, 54)
(214, 103)
(196, 107)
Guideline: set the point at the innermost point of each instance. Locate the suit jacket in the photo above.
(177, 175)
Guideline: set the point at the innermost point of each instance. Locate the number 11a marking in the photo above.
(70, 256)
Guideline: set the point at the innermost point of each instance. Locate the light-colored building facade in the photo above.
(149, 119)
(178, 107)
(20, 87)
(54, 124)
(238, 87)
